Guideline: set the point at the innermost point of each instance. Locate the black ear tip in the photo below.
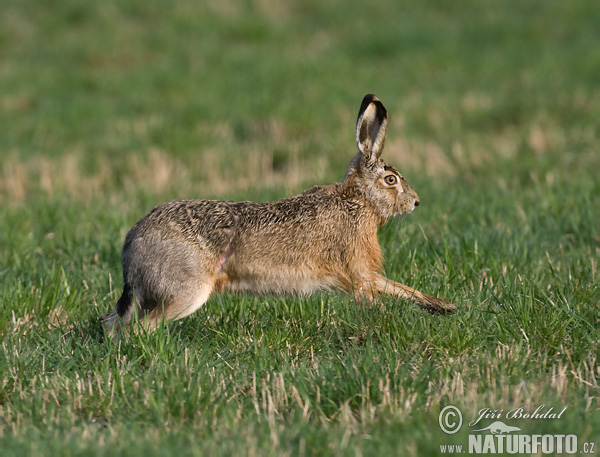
(367, 100)
(370, 98)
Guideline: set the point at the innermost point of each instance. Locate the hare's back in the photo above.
(205, 225)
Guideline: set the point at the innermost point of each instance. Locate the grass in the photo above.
(110, 109)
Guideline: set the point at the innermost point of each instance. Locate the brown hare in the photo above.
(325, 238)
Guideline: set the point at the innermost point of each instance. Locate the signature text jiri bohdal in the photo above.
(541, 412)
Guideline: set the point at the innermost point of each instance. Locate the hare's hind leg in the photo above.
(181, 306)
(432, 304)
(152, 311)
(171, 277)
(164, 279)
(182, 283)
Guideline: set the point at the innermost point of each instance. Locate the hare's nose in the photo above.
(416, 203)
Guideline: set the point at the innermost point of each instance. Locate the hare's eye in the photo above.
(390, 180)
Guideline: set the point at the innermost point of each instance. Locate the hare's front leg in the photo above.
(434, 305)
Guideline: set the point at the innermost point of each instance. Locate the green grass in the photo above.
(108, 110)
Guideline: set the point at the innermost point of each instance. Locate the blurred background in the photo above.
(115, 101)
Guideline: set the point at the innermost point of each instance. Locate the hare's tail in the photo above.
(125, 304)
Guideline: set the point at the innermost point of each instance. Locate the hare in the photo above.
(326, 238)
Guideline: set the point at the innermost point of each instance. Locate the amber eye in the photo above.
(390, 180)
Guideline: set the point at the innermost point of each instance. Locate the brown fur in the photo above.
(325, 238)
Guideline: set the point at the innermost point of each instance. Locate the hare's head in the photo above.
(380, 184)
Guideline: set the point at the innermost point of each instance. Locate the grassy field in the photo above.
(110, 108)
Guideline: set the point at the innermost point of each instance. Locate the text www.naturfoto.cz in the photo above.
(521, 444)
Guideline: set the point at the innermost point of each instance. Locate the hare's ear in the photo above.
(371, 127)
